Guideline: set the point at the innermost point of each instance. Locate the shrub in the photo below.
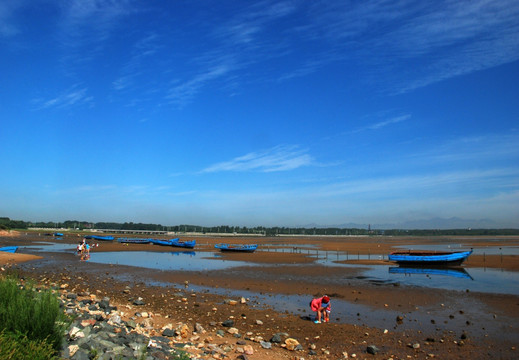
(19, 347)
(24, 311)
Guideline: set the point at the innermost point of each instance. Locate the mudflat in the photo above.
(401, 320)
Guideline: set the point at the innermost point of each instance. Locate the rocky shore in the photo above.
(102, 330)
(118, 323)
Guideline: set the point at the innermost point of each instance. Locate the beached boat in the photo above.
(133, 240)
(457, 272)
(9, 249)
(57, 234)
(102, 238)
(175, 242)
(427, 258)
(237, 247)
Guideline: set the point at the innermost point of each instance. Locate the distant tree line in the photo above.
(6, 223)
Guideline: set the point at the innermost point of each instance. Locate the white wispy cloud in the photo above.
(8, 10)
(249, 25)
(94, 17)
(484, 149)
(132, 71)
(84, 28)
(237, 43)
(72, 97)
(499, 178)
(441, 40)
(183, 93)
(279, 158)
(384, 123)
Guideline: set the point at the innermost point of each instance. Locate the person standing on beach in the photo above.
(322, 307)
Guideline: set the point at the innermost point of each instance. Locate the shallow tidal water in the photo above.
(431, 318)
(487, 280)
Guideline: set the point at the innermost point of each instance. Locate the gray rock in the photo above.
(169, 333)
(104, 304)
(199, 328)
(228, 323)
(81, 355)
(138, 302)
(266, 345)
(372, 349)
(131, 324)
(276, 339)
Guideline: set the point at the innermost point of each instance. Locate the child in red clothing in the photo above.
(322, 307)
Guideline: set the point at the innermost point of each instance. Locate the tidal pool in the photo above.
(488, 280)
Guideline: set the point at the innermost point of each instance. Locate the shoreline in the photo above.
(295, 274)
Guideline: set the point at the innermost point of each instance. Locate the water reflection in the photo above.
(178, 253)
(183, 260)
(454, 272)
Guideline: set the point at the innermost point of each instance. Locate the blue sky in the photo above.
(273, 113)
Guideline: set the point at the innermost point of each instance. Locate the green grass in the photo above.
(19, 347)
(31, 314)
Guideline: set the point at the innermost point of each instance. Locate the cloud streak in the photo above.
(8, 10)
(183, 93)
(72, 97)
(384, 123)
(440, 40)
(279, 158)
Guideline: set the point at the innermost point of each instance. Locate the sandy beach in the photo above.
(415, 321)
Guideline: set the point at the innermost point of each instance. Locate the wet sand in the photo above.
(459, 334)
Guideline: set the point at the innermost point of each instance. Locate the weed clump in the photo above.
(30, 316)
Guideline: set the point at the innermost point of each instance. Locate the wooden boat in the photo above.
(237, 247)
(174, 242)
(457, 272)
(102, 238)
(426, 258)
(9, 249)
(133, 240)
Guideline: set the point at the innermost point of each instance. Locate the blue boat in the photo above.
(427, 258)
(9, 249)
(134, 240)
(458, 272)
(237, 247)
(175, 242)
(102, 238)
(57, 234)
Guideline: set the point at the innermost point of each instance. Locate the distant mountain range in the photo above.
(433, 223)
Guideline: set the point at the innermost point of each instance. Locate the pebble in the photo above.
(372, 349)
(291, 344)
